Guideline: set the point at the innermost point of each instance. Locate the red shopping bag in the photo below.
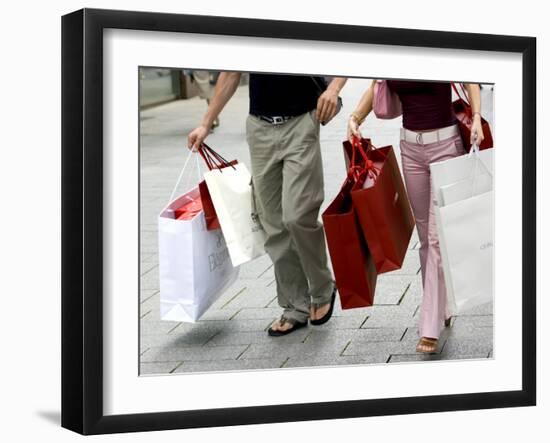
(382, 206)
(213, 160)
(463, 114)
(210, 216)
(189, 210)
(353, 265)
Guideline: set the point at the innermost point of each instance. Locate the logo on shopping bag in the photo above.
(218, 259)
(219, 240)
(486, 246)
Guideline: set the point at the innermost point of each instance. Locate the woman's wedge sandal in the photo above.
(295, 324)
(427, 345)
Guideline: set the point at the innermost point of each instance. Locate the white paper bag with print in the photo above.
(231, 192)
(464, 209)
(194, 264)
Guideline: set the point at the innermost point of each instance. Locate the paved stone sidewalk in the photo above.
(232, 334)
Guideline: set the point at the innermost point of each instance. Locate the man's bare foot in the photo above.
(284, 326)
(277, 325)
(320, 312)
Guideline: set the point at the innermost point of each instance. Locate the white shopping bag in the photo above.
(464, 209)
(231, 192)
(194, 264)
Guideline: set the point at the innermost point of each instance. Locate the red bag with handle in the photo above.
(463, 114)
(382, 205)
(352, 263)
(213, 160)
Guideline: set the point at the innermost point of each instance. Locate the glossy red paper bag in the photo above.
(352, 263)
(189, 210)
(383, 208)
(463, 114)
(210, 216)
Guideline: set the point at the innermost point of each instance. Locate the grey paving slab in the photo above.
(413, 296)
(145, 294)
(219, 314)
(302, 350)
(157, 368)
(322, 337)
(148, 258)
(151, 304)
(407, 358)
(253, 313)
(478, 333)
(233, 291)
(229, 326)
(342, 322)
(150, 280)
(177, 340)
(390, 289)
(362, 347)
(146, 267)
(157, 327)
(230, 365)
(349, 313)
(411, 264)
(478, 321)
(455, 348)
(341, 360)
(192, 353)
(385, 316)
(230, 338)
(256, 297)
(485, 309)
(256, 268)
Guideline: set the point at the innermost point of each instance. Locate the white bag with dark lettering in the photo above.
(194, 264)
(463, 191)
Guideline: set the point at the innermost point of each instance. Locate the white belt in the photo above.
(423, 138)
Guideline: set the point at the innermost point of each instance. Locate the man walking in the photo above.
(282, 132)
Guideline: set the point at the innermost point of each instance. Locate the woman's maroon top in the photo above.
(426, 105)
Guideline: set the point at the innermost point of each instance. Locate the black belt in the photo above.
(276, 119)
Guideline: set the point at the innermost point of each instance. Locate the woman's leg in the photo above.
(434, 309)
(416, 172)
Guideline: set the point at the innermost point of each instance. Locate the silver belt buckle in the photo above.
(278, 120)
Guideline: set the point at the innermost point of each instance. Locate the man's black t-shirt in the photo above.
(284, 95)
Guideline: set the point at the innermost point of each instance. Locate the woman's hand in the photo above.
(476, 135)
(196, 137)
(353, 129)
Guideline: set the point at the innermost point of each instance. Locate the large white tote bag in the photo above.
(231, 192)
(463, 191)
(194, 264)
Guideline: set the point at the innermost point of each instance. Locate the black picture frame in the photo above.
(82, 218)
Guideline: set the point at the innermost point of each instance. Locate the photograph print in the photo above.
(295, 221)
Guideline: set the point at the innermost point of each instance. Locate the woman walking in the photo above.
(429, 134)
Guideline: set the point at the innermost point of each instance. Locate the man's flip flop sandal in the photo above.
(295, 325)
(327, 316)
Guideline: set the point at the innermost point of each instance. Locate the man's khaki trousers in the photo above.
(287, 176)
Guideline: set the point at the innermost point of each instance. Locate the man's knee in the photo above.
(295, 220)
